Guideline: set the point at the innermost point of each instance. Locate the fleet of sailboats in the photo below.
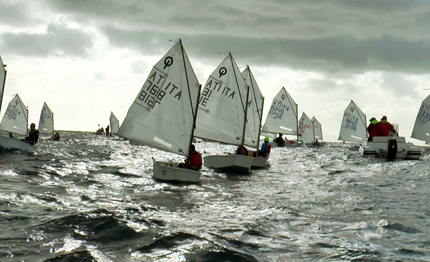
(172, 108)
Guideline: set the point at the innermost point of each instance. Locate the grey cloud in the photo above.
(57, 40)
(342, 53)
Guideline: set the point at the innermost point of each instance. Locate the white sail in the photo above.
(353, 127)
(2, 80)
(317, 128)
(46, 121)
(421, 129)
(114, 123)
(282, 116)
(222, 105)
(306, 129)
(15, 118)
(162, 115)
(255, 110)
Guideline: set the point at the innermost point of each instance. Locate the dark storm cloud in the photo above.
(342, 53)
(57, 40)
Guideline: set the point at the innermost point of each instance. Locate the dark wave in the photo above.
(76, 256)
(402, 228)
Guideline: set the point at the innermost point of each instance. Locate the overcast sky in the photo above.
(88, 58)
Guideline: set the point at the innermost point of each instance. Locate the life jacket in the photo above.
(195, 159)
(269, 146)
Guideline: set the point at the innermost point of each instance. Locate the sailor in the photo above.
(373, 129)
(33, 135)
(386, 128)
(280, 140)
(265, 148)
(194, 160)
(56, 136)
(107, 130)
(241, 150)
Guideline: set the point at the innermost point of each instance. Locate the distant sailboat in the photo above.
(282, 117)
(353, 127)
(222, 115)
(254, 117)
(421, 130)
(306, 130)
(46, 121)
(318, 135)
(164, 112)
(114, 123)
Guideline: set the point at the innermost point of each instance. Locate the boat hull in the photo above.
(167, 171)
(259, 162)
(229, 163)
(12, 143)
(390, 148)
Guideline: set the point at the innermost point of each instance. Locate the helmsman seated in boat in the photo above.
(56, 136)
(265, 148)
(385, 128)
(33, 135)
(279, 140)
(241, 150)
(194, 160)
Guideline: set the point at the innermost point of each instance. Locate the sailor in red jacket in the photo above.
(373, 129)
(385, 127)
(194, 160)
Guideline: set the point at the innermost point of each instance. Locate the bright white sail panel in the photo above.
(2, 81)
(15, 118)
(46, 121)
(255, 110)
(306, 129)
(282, 116)
(221, 114)
(421, 129)
(317, 128)
(114, 123)
(353, 127)
(162, 115)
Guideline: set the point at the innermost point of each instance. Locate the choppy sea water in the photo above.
(92, 198)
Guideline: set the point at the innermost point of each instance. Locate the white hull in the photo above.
(12, 143)
(235, 163)
(168, 171)
(390, 148)
(259, 162)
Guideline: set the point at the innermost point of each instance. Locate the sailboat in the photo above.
(164, 112)
(318, 135)
(222, 115)
(353, 126)
(15, 119)
(282, 117)
(421, 130)
(254, 118)
(114, 123)
(46, 121)
(306, 130)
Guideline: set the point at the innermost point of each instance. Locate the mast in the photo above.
(260, 126)
(191, 101)
(244, 122)
(297, 121)
(2, 90)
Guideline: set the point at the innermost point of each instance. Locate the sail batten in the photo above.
(162, 114)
